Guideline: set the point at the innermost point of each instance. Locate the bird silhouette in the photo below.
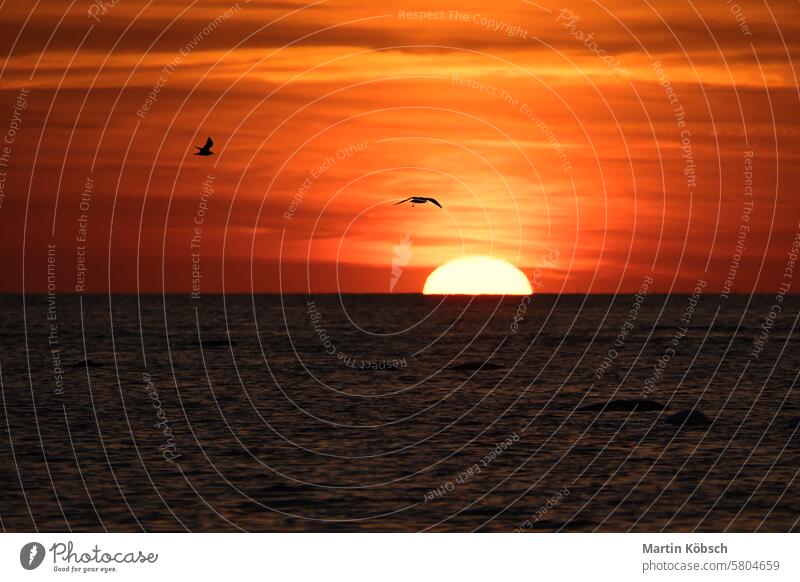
(206, 149)
(419, 200)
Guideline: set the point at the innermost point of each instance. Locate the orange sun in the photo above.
(477, 275)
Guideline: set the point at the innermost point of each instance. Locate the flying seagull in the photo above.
(206, 149)
(419, 200)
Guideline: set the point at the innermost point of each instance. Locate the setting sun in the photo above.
(477, 275)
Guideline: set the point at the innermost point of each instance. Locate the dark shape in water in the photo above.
(218, 343)
(470, 366)
(637, 404)
(548, 525)
(87, 364)
(689, 418)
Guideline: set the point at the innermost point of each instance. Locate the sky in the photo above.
(591, 144)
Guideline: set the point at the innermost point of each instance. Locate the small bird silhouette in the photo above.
(206, 149)
(419, 200)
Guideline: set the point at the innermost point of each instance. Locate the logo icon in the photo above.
(31, 555)
(402, 256)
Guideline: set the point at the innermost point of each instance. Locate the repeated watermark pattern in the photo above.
(523, 108)
(315, 315)
(679, 113)
(680, 332)
(744, 226)
(318, 171)
(473, 470)
(100, 8)
(169, 447)
(785, 286)
(14, 126)
(169, 69)
(459, 17)
(360, 364)
(551, 502)
(627, 327)
(738, 14)
(82, 236)
(207, 192)
(346, 359)
(53, 338)
(569, 21)
(546, 261)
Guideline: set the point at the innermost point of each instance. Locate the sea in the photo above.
(400, 413)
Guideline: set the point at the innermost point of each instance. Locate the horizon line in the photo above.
(277, 293)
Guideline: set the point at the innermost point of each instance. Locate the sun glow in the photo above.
(477, 275)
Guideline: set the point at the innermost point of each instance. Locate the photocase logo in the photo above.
(31, 555)
(402, 255)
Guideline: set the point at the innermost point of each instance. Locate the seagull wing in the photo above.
(434, 201)
(406, 200)
(209, 143)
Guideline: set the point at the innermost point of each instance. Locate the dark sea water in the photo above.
(272, 424)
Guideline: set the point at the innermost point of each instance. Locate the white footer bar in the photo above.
(399, 557)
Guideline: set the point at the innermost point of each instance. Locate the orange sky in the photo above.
(614, 132)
